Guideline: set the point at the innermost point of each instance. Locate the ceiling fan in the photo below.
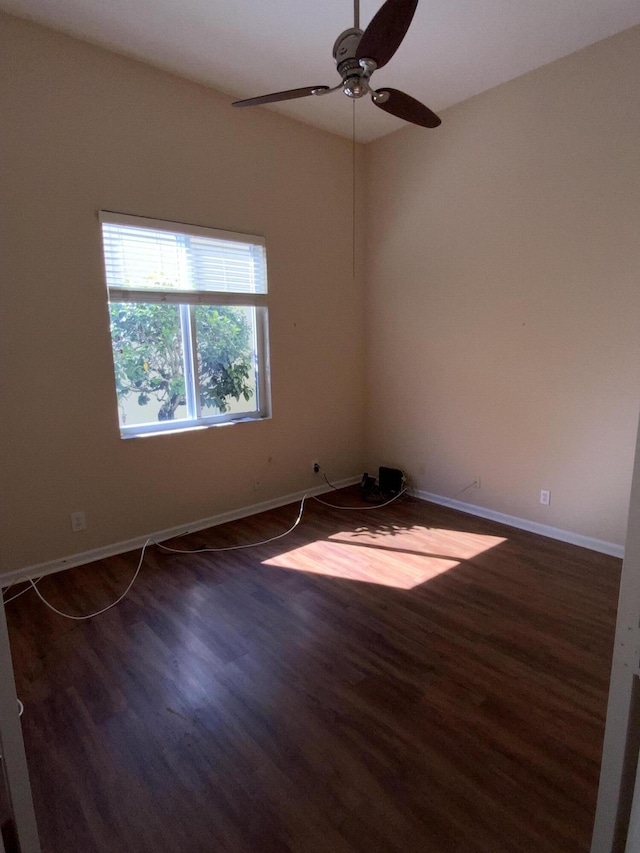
(358, 54)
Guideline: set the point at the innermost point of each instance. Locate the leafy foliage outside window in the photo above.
(149, 359)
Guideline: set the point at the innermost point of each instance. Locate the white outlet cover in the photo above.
(78, 521)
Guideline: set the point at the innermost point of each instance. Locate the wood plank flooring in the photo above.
(406, 679)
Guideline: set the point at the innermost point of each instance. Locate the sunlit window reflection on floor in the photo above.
(400, 557)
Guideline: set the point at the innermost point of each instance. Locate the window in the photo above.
(188, 312)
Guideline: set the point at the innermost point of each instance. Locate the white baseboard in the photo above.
(524, 524)
(51, 566)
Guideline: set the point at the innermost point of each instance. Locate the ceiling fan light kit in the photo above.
(358, 54)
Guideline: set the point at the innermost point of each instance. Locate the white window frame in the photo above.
(185, 299)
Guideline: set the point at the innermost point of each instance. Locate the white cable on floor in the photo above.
(34, 584)
(372, 506)
(104, 609)
(22, 591)
(280, 535)
(239, 547)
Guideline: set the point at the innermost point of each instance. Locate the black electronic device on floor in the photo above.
(390, 481)
(389, 484)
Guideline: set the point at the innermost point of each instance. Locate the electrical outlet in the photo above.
(315, 467)
(545, 497)
(257, 484)
(477, 482)
(78, 521)
(422, 470)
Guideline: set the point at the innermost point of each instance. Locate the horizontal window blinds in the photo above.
(142, 257)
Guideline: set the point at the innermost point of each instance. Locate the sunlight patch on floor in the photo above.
(402, 558)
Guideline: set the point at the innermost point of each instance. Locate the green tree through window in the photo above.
(148, 358)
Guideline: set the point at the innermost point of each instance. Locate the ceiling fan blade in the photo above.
(384, 34)
(405, 107)
(289, 95)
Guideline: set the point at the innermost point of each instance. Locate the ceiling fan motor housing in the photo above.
(355, 80)
(346, 45)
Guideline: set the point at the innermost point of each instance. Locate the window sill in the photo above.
(179, 430)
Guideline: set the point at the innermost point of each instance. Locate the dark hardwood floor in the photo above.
(408, 679)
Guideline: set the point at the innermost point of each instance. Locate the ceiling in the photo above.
(454, 48)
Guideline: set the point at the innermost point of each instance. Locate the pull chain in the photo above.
(353, 165)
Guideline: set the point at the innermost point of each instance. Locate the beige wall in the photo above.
(84, 129)
(503, 274)
(503, 294)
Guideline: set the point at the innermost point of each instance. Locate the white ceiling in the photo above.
(454, 48)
